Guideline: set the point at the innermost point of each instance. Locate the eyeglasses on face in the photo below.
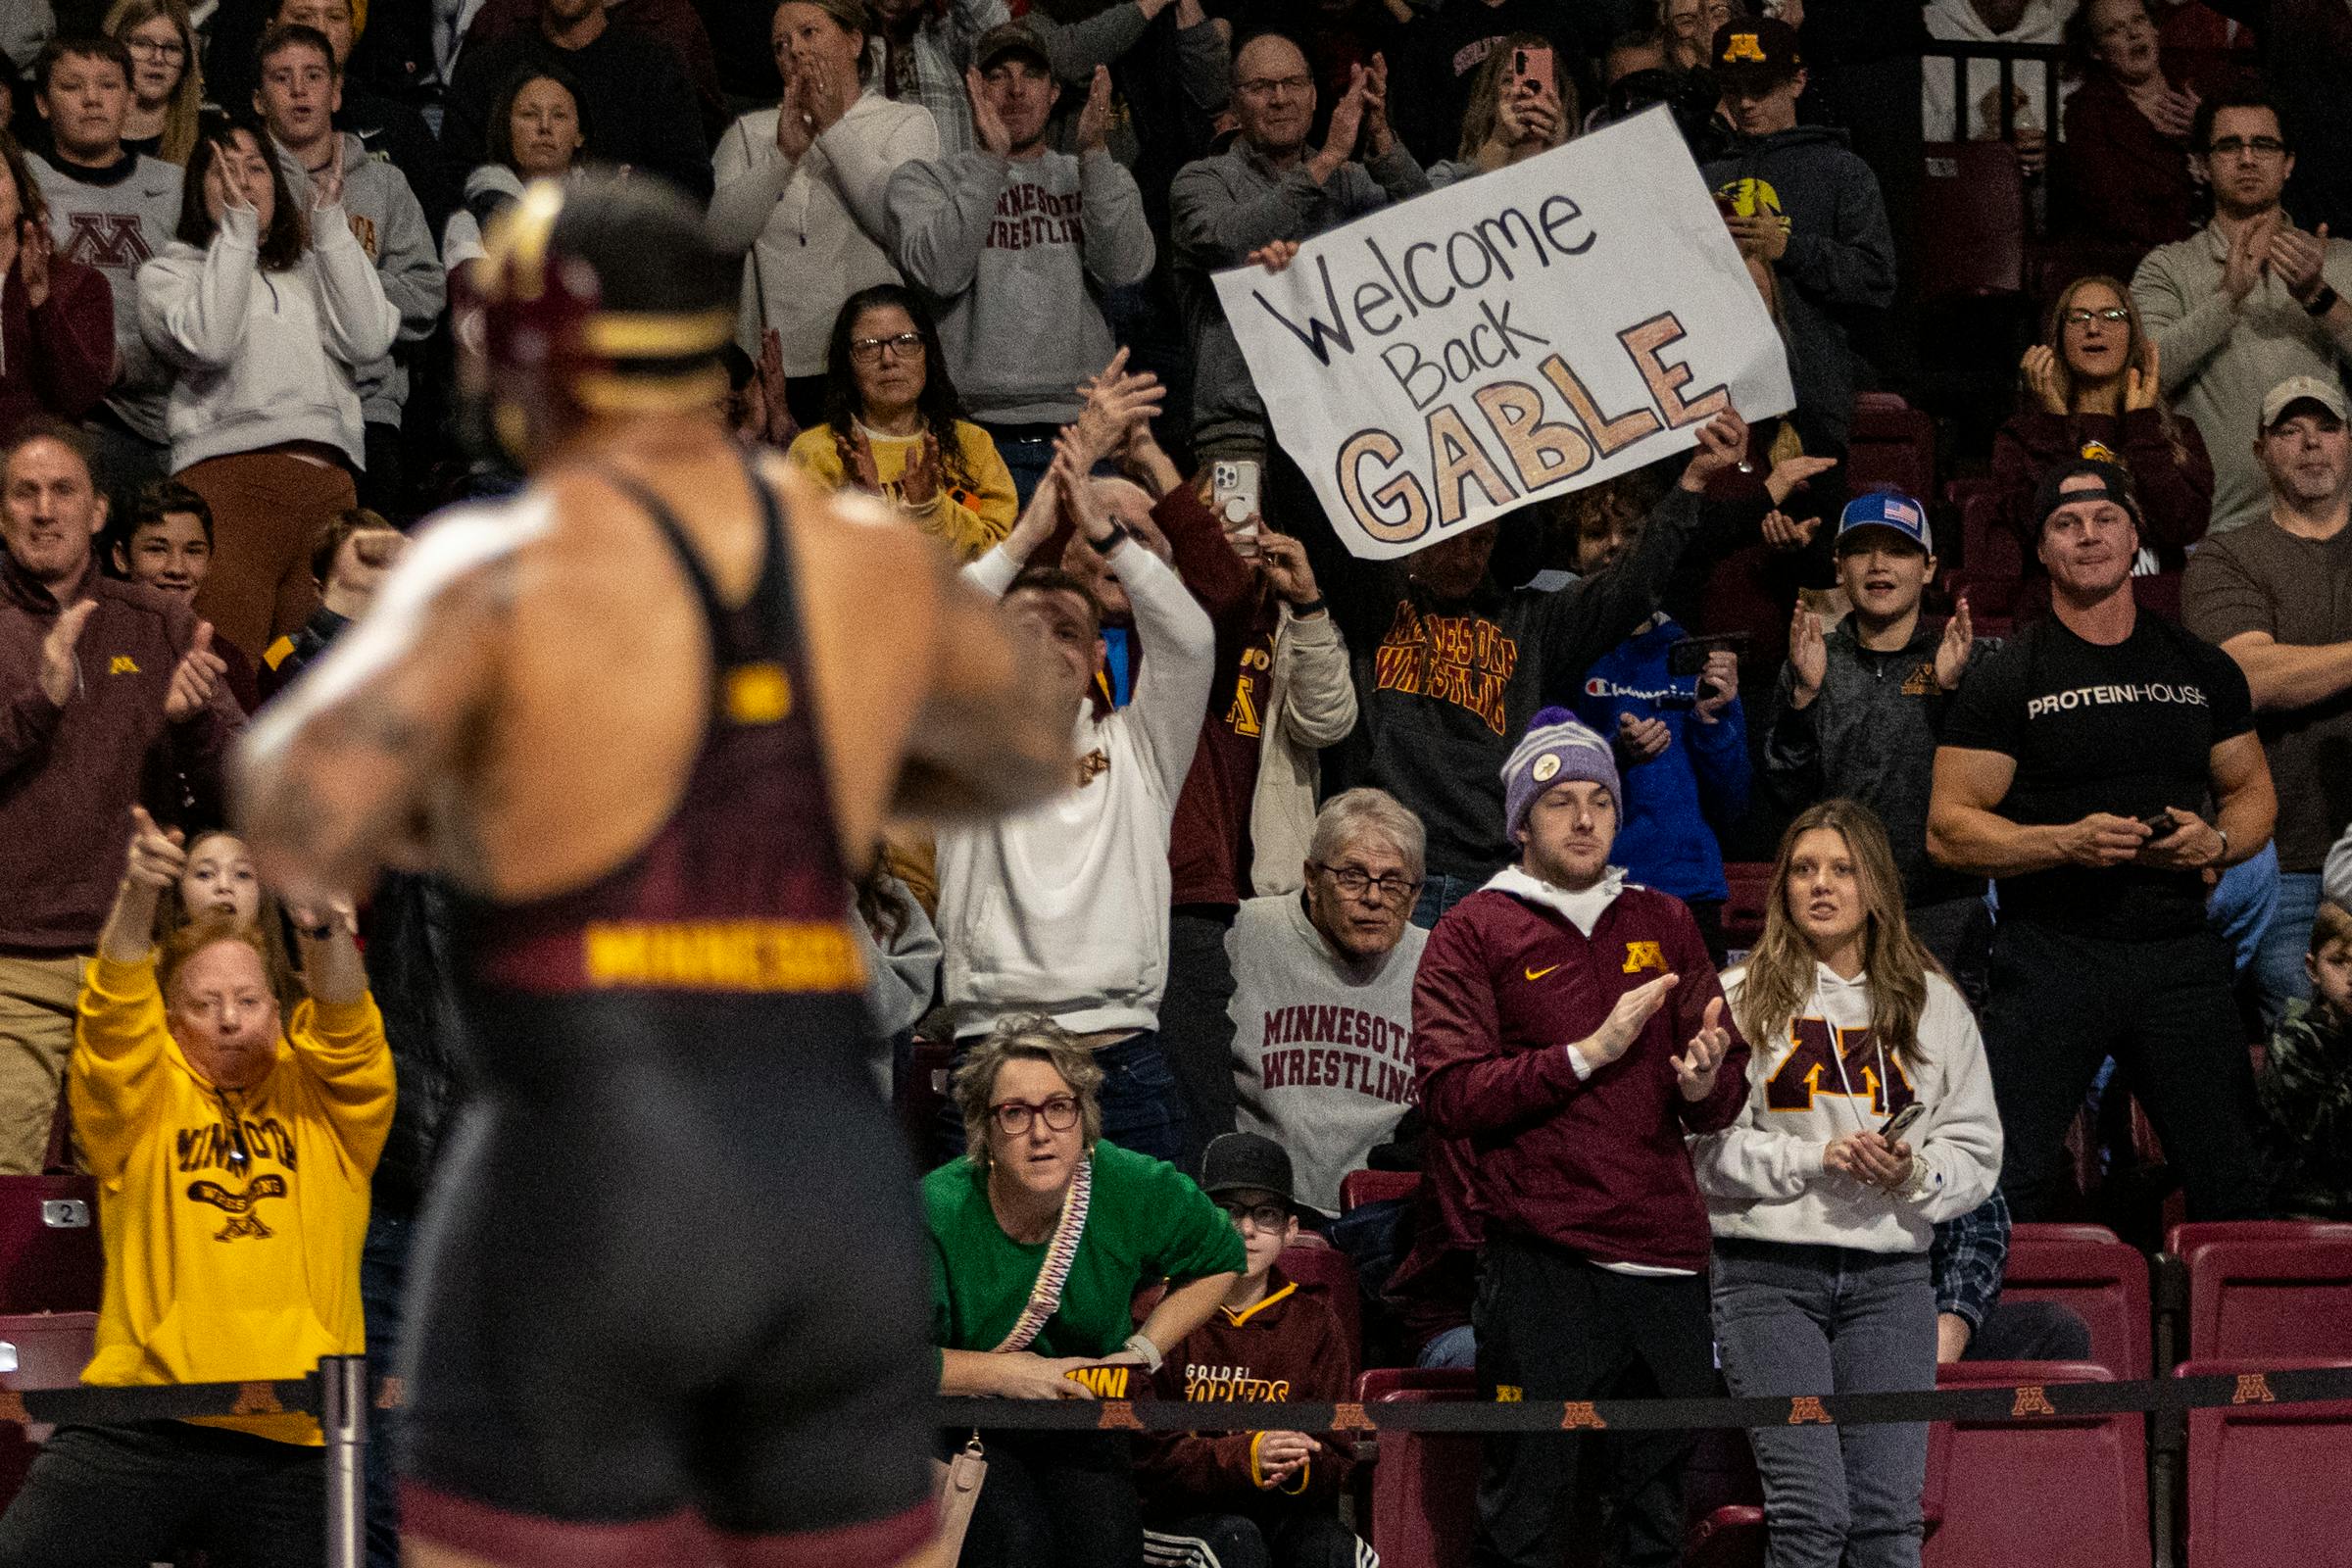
(1267, 86)
(868, 350)
(2114, 315)
(162, 49)
(1015, 1116)
(1356, 882)
(2259, 146)
(1264, 1216)
(1708, 18)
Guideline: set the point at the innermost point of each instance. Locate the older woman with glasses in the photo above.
(1041, 1237)
(1689, 26)
(895, 427)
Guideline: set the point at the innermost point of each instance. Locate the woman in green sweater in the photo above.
(1040, 1238)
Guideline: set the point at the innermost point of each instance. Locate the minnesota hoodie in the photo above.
(1288, 1346)
(1828, 1075)
(215, 1274)
(1839, 260)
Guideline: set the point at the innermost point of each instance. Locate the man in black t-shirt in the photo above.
(2060, 752)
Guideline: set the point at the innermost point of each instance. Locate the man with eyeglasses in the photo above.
(1270, 188)
(235, 1146)
(1323, 995)
(1568, 1027)
(1253, 1500)
(2247, 302)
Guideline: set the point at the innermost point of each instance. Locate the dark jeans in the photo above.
(1557, 1327)
(1798, 1319)
(1027, 451)
(1959, 932)
(2062, 1003)
(2030, 1330)
(1279, 1537)
(1055, 1499)
(1141, 1108)
(1441, 893)
(383, 1271)
(118, 1496)
(1196, 1031)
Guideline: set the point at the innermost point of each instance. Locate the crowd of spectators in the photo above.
(1425, 864)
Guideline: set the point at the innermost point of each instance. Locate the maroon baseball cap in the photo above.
(1761, 49)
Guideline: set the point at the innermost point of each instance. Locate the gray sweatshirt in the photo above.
(1322, 1045)
(1221, 209)
(2219, 361)
(117, 223)
(1870, 736)
(1016, 253)
(390, 226)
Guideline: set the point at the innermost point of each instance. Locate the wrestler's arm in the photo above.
(334, 779)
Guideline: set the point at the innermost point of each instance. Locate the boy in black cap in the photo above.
(1797, 197)
(2076, 767)
(1256, 1499)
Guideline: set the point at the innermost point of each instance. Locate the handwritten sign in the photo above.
(1517, 335)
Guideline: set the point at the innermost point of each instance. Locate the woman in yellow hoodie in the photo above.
(233, 1149)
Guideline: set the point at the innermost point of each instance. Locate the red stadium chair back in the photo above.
(38, 1351)
(50, 1256)
(1325, 1268)
(1987, 544)
(1974, 189)
(1424, 1487)
(1892, 447)
(2268, 1289)
(2267, 1481)
(1361, 1187)
(2010, 1494)
(2101, 1278)
(1750, 884)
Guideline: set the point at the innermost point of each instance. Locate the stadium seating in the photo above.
(2086, 1267)
(2009, 1493)
(1750, 884)
(1361, 1187)
(1424, 1487)
(1893, 447)
(38, 1351)
(1977, 189)
(2267, 1289)
(50, 1257)
(1323, 1268)
(2266, 1481)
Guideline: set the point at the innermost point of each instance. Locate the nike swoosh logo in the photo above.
(1538, 974)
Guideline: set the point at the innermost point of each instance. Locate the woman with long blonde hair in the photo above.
(2091, 388)
(167, 79)
(1870, 1119)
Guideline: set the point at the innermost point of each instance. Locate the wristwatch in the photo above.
(2225, 855)
(1141, 1344)
(2324, 300)
(1104, 546)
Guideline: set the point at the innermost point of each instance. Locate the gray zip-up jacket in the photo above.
(390, 226)
(1871, 736)
(1223, 207)
(1017, 253)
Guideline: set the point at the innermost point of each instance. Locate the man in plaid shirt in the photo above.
(1968, 1260)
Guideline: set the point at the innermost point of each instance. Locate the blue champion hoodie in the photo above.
(1675, 801)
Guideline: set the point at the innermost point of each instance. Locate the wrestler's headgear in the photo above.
(595, 296)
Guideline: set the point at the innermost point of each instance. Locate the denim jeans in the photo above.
(2278, 960)
(1026, 459)
(1141, 1109)
(1457, 1348)
(1798, 1319)
(1439, 893)
(2243, 906)
(383, 1273)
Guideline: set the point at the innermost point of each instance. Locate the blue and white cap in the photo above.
(1888, 509)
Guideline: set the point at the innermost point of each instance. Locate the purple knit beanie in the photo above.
(1559, 747)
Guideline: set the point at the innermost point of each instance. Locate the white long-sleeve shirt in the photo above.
(263, 357)
(815, 231)
(1063, 909)
(1825, 1076)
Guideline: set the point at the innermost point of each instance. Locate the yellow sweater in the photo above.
(212, 1277)
(969, 522)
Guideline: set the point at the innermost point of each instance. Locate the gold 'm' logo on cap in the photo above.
(1745, 46)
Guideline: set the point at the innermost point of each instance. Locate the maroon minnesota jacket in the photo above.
(1287, 1347)
(69, 775)
(1596, 1165)
(60, 358)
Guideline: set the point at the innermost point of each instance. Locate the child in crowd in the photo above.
(2307, 1081)
(1252, 1500)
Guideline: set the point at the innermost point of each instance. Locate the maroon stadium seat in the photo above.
(38, 1351)
(1361, 1187)
(2064, 1490)
(1424, 1487)
(2101, 1278)
(1976, 190)
(2266, 1481)
(1892, 447)
(1750, 884)
(2267, 1289)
